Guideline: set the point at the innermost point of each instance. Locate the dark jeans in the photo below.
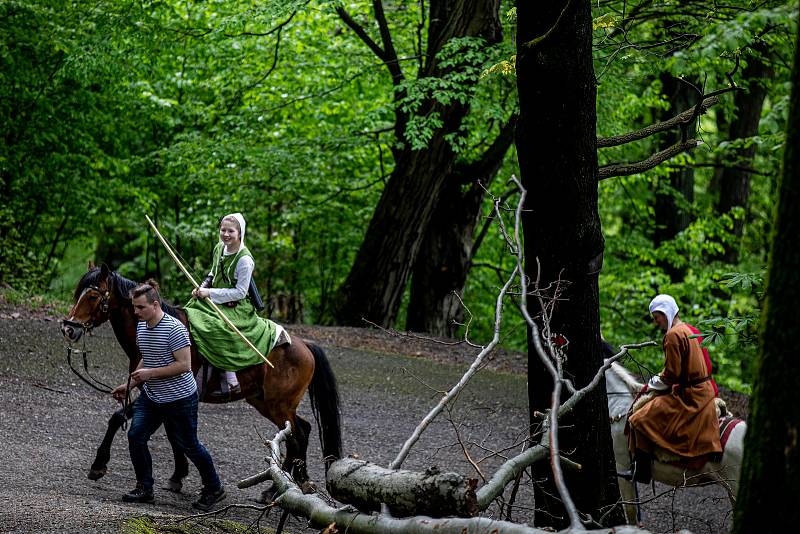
(180, 422)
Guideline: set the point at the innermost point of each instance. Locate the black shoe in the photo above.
(208, 499)
(139, 495)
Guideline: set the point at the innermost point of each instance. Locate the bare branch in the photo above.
(388, 46)
(627, 169)
(542, 38)
(455, 390)
(361, 32)
(388, 56)
(683, 117)
(570, 403)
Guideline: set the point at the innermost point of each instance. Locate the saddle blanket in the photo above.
(726, 425)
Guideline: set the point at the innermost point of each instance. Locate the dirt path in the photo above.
(51, 424)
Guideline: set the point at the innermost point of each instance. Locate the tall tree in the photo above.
(556, 145)
(449, 246)
(374, 287)
(676, 191)
(734, 177)
(770, 481)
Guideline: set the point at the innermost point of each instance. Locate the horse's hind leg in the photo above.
(175, 482)
(296, 450)
(100, 465)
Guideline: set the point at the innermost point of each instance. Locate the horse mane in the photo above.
(122, 288)
(630, 381)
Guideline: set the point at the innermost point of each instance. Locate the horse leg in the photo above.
(627, 491)
(100, 465)
(296, 450)
(181, 471)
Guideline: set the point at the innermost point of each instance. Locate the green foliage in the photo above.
(187, 111)
(723, 306)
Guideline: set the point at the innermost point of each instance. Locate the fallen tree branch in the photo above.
(406, 493)
(275, 457)
(320, 514)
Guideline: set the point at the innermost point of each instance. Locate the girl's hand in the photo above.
(200, 293)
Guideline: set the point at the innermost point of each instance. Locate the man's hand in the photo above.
(141, 375)
(119, 392)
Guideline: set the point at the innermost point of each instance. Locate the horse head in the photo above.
(93, 299)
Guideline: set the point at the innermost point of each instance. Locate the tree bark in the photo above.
(374, 287)
(447, 250)
(734, 178)
(406, 493)
(770, 481)
(556, 146)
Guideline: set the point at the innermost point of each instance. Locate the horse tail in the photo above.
(324, 396)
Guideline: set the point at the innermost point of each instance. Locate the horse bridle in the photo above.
(87, 327)
(92, 322)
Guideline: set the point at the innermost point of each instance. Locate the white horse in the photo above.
(622, 387)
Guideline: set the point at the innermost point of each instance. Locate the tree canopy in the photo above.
(303, 114)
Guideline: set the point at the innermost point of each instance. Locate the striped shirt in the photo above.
(157, 346)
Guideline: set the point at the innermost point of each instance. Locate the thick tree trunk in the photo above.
(447, 250)
(406, 493)
(374, 287)
(442, 264)
(770, 481)
(672, 215)
(734, 178)
(556, 146)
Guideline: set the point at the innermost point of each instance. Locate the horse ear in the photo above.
(90, 266)
(104, 270)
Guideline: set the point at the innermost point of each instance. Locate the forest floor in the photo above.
(51, 424)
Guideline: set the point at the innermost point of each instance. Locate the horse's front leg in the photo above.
(100, 464)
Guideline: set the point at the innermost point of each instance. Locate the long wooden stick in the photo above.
(196, 285)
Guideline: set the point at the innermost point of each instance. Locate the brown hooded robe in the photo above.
(683, 421)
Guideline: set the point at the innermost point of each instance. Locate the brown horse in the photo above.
(102, 295)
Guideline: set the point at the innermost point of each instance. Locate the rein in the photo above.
(126, 403)
(91, 381)
(87, 328)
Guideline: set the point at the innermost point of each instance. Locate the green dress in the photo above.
(215, 340)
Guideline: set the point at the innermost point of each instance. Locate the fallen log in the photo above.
(407, 493)
(322, 515)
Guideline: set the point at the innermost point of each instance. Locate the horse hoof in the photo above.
(174, 487)
(96, 474)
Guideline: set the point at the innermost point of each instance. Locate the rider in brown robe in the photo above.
(683, 420)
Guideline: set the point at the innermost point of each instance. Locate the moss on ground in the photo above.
(149, 525)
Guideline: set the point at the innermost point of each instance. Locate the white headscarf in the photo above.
(240, 219)
(666, 305)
